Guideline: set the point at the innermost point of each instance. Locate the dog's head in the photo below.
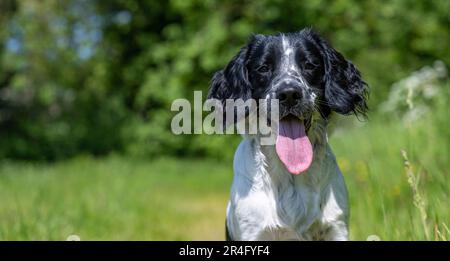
(302, 71)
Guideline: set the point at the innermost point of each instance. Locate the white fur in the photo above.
(269, 203)
(288, 63)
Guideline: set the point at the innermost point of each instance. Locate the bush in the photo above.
(96, 76)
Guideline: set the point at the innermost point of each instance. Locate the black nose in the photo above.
(289, 96)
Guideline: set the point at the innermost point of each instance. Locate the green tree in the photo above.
(100, 76)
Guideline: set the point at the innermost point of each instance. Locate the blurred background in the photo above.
(85, 94)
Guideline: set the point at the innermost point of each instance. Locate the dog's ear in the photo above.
(345, 90)
(232, 81)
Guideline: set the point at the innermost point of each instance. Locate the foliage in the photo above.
(99, 76)
(412, 97)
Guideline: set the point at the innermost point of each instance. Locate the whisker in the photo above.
(322, 102)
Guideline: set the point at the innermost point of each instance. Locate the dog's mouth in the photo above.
(293, 146)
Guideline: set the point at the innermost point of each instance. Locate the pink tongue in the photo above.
(293, 146)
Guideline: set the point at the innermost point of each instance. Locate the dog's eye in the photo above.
(310, 66)
(263, 68)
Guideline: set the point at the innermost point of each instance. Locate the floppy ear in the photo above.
(345, 90)
(232, 81)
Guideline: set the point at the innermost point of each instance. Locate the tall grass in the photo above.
(398, 175)
(418, 200)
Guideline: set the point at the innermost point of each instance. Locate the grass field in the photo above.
(114, 199)
(117, 198)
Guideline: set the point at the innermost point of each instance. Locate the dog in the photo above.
(294, 189)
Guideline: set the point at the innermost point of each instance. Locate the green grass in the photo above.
(118, 198)
(390, 196)
(381, 199)
(114, 199)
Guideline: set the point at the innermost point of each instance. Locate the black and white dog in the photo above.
(311, 81)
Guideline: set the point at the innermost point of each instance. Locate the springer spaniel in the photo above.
(292, 190)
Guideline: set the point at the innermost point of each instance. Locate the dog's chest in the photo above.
(290, 206)
(269, 203)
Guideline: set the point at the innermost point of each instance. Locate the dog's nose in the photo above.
(289, 96)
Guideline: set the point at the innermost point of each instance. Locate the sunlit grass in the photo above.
(384, 201)
(114, 199)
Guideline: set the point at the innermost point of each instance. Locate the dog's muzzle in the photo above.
(294, 99)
